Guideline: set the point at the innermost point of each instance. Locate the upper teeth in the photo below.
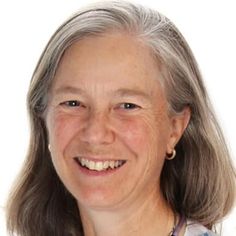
(99, 165)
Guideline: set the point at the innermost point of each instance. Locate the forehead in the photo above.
(115, 60)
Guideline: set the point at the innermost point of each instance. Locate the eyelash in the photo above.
(124, 106)
(129, 106)
(71, 103)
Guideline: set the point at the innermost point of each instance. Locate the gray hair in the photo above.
(199, 183)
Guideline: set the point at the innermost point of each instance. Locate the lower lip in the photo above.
(86, 171)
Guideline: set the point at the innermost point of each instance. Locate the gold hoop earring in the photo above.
(171, 156)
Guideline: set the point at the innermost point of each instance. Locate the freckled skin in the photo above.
(100, 66)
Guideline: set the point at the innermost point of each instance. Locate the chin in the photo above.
(98, 199)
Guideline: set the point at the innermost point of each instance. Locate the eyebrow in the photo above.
(122, 92)
(132, 92)
(68, 89)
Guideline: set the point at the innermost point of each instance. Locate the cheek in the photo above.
(144, 135)
(61, 130)
(134, 133)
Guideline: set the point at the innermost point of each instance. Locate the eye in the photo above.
(129, 106)
(72, 103)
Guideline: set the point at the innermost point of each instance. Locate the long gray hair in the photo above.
(199, 183)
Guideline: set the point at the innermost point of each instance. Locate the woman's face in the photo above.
(108, 123)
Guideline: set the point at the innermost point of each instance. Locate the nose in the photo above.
(97, 129)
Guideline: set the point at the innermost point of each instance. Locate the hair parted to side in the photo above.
(199, 183)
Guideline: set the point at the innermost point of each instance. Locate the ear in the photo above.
(179, 123)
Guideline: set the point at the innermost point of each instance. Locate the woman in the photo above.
(124, 140)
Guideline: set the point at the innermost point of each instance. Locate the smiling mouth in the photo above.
(99, 165)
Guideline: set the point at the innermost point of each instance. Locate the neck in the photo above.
(149, 216)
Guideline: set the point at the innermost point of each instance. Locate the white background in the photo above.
(25, 27)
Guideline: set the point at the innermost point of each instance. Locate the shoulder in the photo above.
(196, 229)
